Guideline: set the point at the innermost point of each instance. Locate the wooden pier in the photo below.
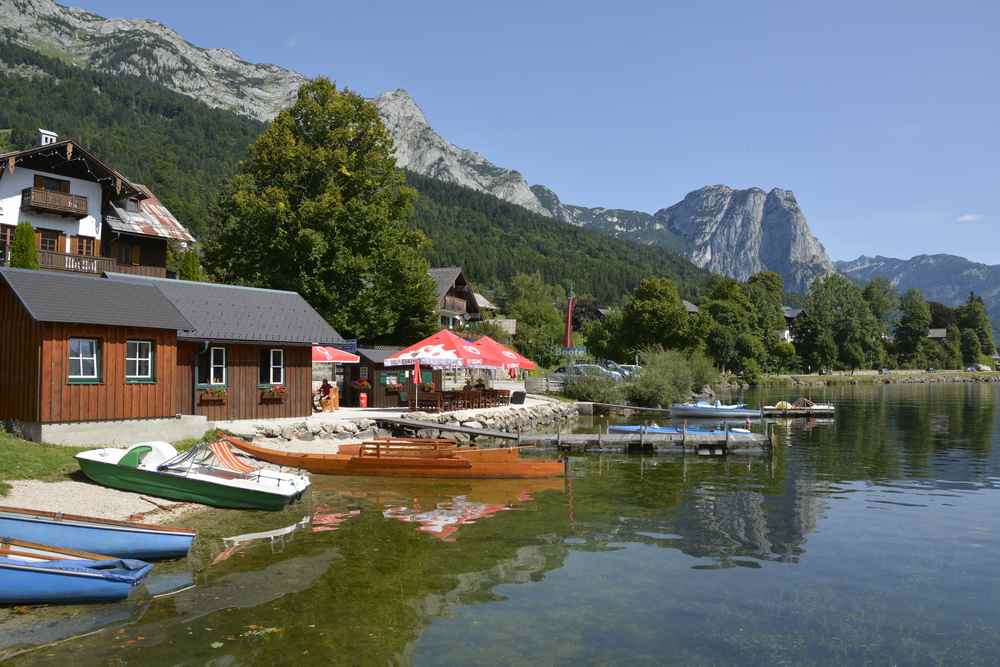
(414, 425)
(721, 442)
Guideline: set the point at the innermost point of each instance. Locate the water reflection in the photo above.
(872, 538)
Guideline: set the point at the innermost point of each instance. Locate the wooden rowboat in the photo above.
(411, 458)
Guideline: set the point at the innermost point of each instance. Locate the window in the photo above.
(139, 360)
(272, 367)
(85, 246)
(51, 184)
(84, 360)
(49, 241)
(212, 367)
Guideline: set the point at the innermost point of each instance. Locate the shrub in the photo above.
(592, 388)
(24, 251)
(669, 376)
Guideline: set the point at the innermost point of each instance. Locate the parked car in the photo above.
(633, 369)
(625, 370)
(564, 373)
(971, 369)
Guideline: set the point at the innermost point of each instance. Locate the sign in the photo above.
(574, 351)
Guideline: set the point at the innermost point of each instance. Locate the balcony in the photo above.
(61, 261)
(137, 270)
(50, 201)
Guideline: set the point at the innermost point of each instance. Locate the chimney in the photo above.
(46, 137)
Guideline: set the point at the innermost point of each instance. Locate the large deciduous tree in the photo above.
(914, 321)
(972, 316)
(319, 207)
(837, 327)
(655, 316)
(883, 301)
(534, 304)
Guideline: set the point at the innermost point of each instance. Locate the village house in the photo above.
(456, 302)
(159, 358)
(388, 386)
(87, 216)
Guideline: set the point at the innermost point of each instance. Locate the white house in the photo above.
(87, 216)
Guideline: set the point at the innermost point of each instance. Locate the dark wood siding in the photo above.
(378, 397)
(113, 397)
(20, 343)
(244, 399)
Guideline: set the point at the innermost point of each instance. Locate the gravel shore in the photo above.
(89, 499)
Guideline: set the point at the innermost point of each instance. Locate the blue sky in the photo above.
(882, 117)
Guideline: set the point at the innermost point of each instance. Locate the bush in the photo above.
(592, 388)
(24, 249)
(669, 376)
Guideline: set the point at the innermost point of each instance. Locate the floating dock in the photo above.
(718, 442)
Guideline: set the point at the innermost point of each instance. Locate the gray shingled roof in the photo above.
(75, 298)
(791, 313)
(378, 354)
(445, 277)
(241, 314)
(690, 307)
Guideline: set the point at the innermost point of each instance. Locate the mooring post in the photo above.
(727, 435)
(559, 437)
(642, 436)
(684, 435)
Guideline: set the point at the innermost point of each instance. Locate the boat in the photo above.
(676, 430)
(803, 407)
(38, 574)
(402, 457)
(207, 473)
(121, 539)
(715, 410)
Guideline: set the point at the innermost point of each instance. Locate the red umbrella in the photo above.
(321, 353)
(443, 350)
(513, 359)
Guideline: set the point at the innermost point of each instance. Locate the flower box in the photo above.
(275, 394)
(212, 396)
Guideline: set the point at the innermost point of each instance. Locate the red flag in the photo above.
(568, 332)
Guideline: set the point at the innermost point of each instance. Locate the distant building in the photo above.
(690, 307)
(456, 302)
(791, 314)
(937, 334)
(88, 217)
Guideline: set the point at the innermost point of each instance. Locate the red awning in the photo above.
(328, 354)
(443, 350)
(513, 358)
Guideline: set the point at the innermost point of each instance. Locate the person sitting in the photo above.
(329, 396)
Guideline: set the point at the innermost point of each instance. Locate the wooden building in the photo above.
(391, 386)
(456, 302)
(87, 216)
(81, 348)
(248, 353)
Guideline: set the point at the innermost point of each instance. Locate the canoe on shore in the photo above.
(121, 539)
(37, 574)
(205, 474)
(411, 458)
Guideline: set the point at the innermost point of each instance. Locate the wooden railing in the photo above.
(54, 202)
(454, 304)
(138, 270)
(62, 261)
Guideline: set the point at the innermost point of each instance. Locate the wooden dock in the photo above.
(414, 425)
(714, 443)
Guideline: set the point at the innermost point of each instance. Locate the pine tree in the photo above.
(190, 268)
(24, 251)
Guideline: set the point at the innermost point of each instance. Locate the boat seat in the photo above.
(134, 456)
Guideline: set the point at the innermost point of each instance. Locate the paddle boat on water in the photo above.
(37, 574)
(121, 539)
(411, 457)
(716, 410)
(803, 407)
(208, 474)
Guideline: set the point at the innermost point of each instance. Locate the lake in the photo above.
(872, 539)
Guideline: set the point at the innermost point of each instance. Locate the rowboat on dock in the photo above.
(401, 457)
(37, 574)
(716, 410)
(800, 408)
(207, 474)
(121, 539)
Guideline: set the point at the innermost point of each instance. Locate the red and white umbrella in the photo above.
(446, 350)
(321, 354)
(513, 359)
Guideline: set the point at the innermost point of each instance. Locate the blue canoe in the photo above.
(68, 581)
(674, 430)
(121, 539)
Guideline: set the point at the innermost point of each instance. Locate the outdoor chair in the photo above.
(517, 398)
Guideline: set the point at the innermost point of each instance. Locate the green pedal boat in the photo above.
(207, 474)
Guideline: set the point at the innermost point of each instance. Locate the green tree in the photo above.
(914, 321)
(24, 251)
(604, 339)
(837, 328)
(972, 351)
(534, 304)
(972, 316)
(319, 207)
(953, 347)
(190, 267)
(487, 328)
(883, 301)
(655, 316)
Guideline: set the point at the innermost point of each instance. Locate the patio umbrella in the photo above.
(446, 350)
(513, 359)
(321, 354)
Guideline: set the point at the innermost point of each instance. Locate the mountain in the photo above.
(217, 77)
(945, 278)
(736, 232)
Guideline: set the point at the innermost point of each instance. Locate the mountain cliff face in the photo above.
(944, 278)
(217, 77)
(422, 150)
(740, 232)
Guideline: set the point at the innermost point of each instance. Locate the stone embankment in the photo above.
(893, 377)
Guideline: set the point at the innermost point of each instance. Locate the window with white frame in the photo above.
(218, 375)
(83, 359)
(272, 366)
(139, 360)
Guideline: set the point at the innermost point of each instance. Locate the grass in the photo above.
(23, 459)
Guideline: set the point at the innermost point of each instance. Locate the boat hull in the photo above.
(466, 464)
(700, 412)
(772, 411)
(68, 582)
(118, 539)
(177, 487)
(673, 430)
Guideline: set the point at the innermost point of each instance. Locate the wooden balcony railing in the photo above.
(50, 201)
(152, 271)
(61, 261)
(454, 304)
